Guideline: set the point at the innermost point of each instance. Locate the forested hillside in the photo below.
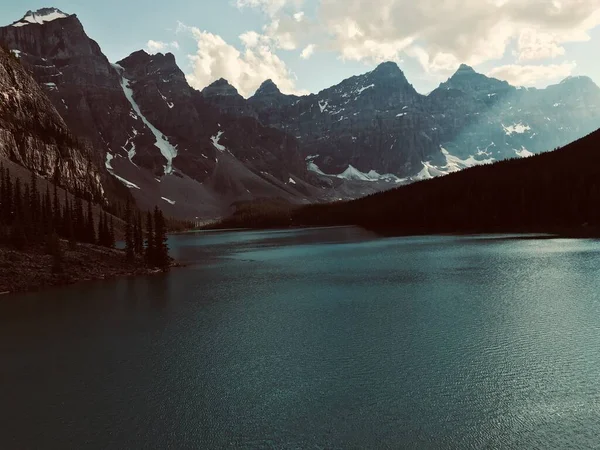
(553, 192)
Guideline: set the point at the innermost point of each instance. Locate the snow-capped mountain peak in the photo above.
(40, 17)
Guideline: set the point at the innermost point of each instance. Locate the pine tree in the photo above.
(56, 210)
(90, 227)
(149, 253)
(68, 228)
(34, 203)
(48, 215)
(3, 214)
(79, 221)
(129, 250)
(162, 258)
(101, 231)
(111, 242)
(138, 235)
(18, 236)
(7, 204)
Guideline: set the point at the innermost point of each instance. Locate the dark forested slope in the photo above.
(556, 191)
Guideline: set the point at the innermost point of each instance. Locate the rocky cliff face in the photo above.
(33, 134)
(377, 123)
(486, 119)
(149, 130)
(198, 125)
(195, 153)
(82, 84)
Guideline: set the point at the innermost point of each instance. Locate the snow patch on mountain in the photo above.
(523, 153)
(323, 104)
(517, 128)
(172, 202)
(110, 169)
(363, 89)
(352, 173)
(169, 104)
(215, 141)
(40, 17)
(165, 147)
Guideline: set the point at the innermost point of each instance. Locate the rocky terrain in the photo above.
(376, 124)
(137, 127)
(30, 271)
(33, 134)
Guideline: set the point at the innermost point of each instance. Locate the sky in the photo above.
(305, 46)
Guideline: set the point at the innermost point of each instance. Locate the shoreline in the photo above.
(26, 272)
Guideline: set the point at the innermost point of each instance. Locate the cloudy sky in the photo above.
(307, 45)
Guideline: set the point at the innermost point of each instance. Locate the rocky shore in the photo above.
(33, 270)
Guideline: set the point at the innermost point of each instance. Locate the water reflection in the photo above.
(315, 339)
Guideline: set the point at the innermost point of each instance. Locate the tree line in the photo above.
(31, 219)
(555, 192)
(149, 243)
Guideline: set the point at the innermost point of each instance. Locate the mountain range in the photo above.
(137, 127)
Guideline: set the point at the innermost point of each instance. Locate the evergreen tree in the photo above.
(8, 204)
(90, 227)
(138, 237)
(56, 210)
(149, 253)
(79, 227)
(129, 250)
(18, 236)
(161, 248)
(34, 203)
(112, 233)
(68, 228)
(48, 216)
(101, 231)
(3, 214)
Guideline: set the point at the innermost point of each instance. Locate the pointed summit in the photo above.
(465, 69)
(220, 88)
(388, 68)
(267, 88)
(40, 17)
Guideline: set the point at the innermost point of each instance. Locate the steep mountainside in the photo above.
(167, 143)
(196, 153)
(492, 120)
(81, 83)
(377, 123)
(33, 134)
(548, 193)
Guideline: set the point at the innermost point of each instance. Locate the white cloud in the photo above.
(530, 75)
(537, 45)
(245, 69)
(153, 47)
(440, 34)
(308, 51)
(473, 31)
(270, 7)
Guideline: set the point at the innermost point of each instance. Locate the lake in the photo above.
(310, 339)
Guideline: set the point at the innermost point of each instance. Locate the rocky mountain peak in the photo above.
(579, 81)
(464, 69)
(467, 80)
(40, 17)
(387, 70)
(267, 88)
(220, 88)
